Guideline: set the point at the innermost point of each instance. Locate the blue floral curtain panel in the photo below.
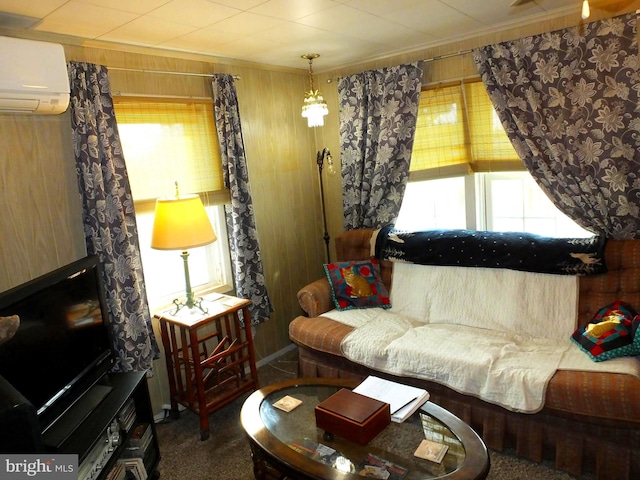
(569, 102)
(243, 241)
(108, 215)
(378, 111)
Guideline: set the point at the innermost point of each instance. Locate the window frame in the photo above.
(218, 269)
(479, 169)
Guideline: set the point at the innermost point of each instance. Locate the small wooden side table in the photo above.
(210, 356)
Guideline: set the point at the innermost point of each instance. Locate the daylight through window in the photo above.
(165, 142)
(465, 173)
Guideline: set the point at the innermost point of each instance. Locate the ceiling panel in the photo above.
(136, 6)
(147, 31)
(195, 13)
(277, 32)
(84, 20)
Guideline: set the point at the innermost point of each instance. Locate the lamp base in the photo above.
(194, 303)
(191, 300)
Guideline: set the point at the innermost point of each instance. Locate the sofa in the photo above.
(589, 422)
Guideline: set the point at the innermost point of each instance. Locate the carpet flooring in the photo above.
(226, 455)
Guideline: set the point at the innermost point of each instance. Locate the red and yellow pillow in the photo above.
(357, 284)
(611, 333)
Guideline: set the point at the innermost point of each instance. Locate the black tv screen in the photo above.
(63, 345)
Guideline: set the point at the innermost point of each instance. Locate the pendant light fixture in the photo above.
(314, 108)
(585, 9)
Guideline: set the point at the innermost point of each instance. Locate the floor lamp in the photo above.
(325, 154)
(181, 223)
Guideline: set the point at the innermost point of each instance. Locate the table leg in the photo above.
(259, 464)
(197, 373)
(170, 350)
(252, 354)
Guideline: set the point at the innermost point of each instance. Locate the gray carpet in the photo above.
(226, 454)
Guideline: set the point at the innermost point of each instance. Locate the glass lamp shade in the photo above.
(181, 223)
(314, 108)
(586, 11)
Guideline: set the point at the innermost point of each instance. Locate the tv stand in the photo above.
(111, 429)
(54, 435)
(111, 437)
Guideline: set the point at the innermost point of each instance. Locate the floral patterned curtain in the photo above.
(569, 102)
(241, 228)
(378, 111)
(109, 219)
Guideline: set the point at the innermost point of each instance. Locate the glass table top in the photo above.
(390, 455)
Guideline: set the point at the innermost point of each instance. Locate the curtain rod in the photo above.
(426, 60)
(448, 55)
(166, 72)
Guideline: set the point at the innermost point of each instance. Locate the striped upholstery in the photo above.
(622, 281)
(591, 421)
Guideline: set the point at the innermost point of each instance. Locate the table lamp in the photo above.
(181, 223)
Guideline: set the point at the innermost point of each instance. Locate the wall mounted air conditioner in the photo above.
(33, 77)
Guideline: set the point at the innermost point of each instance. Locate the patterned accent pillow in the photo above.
(357, 284)
(611, 333)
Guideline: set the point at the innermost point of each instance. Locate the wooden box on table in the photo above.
(352, 416)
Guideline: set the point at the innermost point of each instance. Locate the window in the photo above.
(458, 132)
(465, 173)
(514, 202)
(165, 142)
(485, 201)
(433, 204)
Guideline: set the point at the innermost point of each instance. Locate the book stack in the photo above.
(404, 400)
(127, 415)
(139, 441)
(134, 468)
(117, 472)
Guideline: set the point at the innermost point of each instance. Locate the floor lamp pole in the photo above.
(320, 161)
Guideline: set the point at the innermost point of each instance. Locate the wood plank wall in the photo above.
(41, 223)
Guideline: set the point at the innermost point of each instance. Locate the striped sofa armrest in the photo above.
(315, 298)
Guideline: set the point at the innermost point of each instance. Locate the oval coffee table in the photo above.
(289, 445)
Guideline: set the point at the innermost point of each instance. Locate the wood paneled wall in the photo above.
(41, 222)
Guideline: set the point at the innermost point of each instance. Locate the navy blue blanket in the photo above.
(513, 250)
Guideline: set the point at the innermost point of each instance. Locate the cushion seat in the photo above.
(568, 391)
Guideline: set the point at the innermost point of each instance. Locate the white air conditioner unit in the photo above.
(33, 77)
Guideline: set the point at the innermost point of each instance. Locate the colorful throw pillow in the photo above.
(357, 284)
(611, 333)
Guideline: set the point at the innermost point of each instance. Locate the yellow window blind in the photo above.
(489, 142)
(440, 139)
(170, 141)
(458, 132)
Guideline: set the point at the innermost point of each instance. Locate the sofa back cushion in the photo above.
(498, 299)
(621, 282)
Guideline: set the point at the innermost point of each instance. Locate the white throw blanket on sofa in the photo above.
(496, 334)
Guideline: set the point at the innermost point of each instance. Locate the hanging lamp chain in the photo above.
(310, 57)
(311, 73)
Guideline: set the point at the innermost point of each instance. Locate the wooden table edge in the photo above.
(476, 454)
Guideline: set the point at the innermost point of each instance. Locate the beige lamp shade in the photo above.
(181, 223)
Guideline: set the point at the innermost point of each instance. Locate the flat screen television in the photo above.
(63, 345)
